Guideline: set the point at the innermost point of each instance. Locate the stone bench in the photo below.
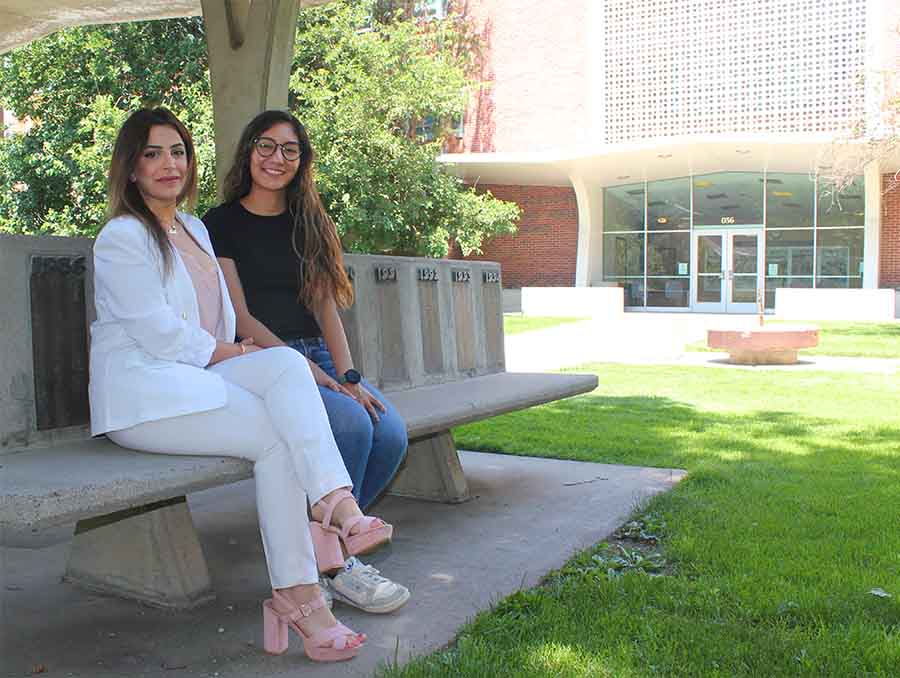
(766, 345)
(427, 332)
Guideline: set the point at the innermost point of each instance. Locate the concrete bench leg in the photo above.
(432, 471)
(150, 553)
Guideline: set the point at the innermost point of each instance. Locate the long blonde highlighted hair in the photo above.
(123, 196)
(321, 265)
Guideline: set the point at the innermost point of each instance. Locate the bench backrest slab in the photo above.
(415, 322)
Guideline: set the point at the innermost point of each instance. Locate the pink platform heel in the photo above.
(373, 533)
(328, 645)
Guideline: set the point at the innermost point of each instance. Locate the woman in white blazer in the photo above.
(168, 377)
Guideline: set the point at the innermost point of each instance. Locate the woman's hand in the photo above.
(322, 379)
(226, 350)
(248, 346)
(359, 393)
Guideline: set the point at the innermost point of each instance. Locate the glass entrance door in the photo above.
(729, 266)
(744, 275)
(709, 281)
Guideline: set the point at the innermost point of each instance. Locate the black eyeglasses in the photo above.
(266, 147)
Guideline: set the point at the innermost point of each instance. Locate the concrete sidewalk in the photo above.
(630, 338)
(527, 517)
(653, 338)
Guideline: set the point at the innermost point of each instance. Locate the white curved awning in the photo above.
(662, 159)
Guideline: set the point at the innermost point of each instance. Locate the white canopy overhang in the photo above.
(664, 158)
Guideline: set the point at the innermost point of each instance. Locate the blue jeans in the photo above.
(372, 451)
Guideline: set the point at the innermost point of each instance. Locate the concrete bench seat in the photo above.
(428, 333)
(101, 478)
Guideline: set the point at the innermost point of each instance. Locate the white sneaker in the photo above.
(363, 587)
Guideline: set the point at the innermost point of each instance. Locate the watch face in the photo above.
(352, 376)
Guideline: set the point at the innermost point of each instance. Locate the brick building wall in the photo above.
(542, 252)
(889, 274)
(535, 68)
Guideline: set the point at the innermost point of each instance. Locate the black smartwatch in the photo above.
(351, 376)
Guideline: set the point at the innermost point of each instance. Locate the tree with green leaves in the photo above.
(77, 86)
(363, 81)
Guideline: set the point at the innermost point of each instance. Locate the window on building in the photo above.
(427, 128)
(669, 205)
(422, 10)
(790, 200)
(457, 123)
(623, 208)
(668, 292)
(790, 235)
(840, 234)
(624, 239)
(839, 257)
(668, 268)
(623, 254)
(814, 235)
(837, 207)
(623, 263)
(728, 199)
(789, 260)
(669, 243)
(431, 9)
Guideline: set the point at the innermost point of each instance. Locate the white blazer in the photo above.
(148, 351)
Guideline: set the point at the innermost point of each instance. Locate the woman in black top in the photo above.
(282, 261)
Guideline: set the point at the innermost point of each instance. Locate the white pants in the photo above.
(275, 418)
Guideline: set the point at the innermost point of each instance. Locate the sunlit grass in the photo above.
(786, 522)
(516, 323)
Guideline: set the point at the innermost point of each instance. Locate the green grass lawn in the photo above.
(841, 338)
(789, 517)
(516, 323)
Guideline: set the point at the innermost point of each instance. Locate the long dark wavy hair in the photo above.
(123, 196)
(321, 266)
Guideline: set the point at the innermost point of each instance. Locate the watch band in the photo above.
(351, 376)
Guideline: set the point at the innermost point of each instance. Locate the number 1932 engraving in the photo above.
(427, 274)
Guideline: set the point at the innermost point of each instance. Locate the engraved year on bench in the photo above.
(427, 274)
(386, 274)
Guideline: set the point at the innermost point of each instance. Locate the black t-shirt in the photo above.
(267, 265)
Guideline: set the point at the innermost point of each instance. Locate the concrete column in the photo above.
(251, 48)
(872, 246)
(589, 257)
